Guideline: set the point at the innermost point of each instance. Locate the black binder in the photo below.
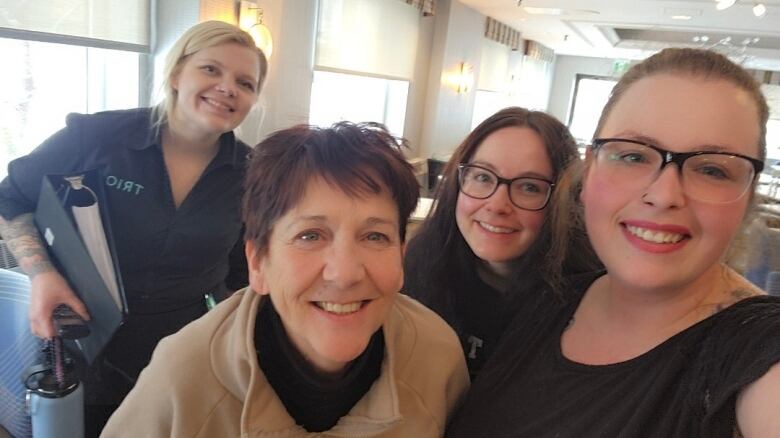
(70, 255)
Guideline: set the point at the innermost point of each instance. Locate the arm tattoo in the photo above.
(23, 241)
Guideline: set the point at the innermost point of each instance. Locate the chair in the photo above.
(18, 350)
(763, 246)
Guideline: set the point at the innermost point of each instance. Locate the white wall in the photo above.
(566, 70)
(284, 99)
(457, 38)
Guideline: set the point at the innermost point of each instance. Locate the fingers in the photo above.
(48, 291)
(41, 323)
(77, 306)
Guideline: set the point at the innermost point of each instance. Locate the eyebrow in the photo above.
(372, 221)
(522, 175)
(381, 221)
(633, 135)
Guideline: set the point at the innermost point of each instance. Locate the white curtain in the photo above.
(370, 37)
(494, 66)
(533, 84)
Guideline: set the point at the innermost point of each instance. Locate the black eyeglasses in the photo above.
(709, 176)
(527, 193)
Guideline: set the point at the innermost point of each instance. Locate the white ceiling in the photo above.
(594, 27)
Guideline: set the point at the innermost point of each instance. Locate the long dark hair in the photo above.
(439, 260)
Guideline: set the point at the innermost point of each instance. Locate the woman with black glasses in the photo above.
(669, 341)
(488, 238)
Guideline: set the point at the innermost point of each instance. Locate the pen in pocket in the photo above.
(210, 301)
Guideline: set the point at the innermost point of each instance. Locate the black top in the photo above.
(315, 402)
(685, 387)
(480, 316)
(168, 257)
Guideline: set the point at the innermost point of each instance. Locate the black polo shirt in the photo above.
(168, 257)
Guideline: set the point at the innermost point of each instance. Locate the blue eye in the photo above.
(309, 236)
(377, 237)
(629, 157)
(713, 172)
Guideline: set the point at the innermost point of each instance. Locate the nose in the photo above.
(344, 266)
(667, 190)
(227, 88)
(499, 201)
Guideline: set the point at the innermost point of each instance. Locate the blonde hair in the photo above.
(199, 37)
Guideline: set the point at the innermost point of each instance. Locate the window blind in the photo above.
(121, 22)
(370, 37)
(493, 66)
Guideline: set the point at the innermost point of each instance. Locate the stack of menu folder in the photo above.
(80, 243)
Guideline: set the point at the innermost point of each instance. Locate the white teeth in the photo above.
(494, 229)
(339, 309)
(218, 104)
(654, 236)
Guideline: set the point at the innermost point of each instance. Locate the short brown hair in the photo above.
(358, 159)
(698, 63)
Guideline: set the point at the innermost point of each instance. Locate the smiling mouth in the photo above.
(654, 236)
(218, 104)
(495, 229)
(339, 308)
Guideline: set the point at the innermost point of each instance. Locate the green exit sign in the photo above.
(619, 66)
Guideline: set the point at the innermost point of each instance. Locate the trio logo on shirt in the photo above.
(123, 185)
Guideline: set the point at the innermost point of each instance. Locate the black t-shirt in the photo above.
(685, 387)
(480, 316)
(169, 257)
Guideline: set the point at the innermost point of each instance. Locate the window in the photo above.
(43, 82)
(773, 140)
(590, 95)
(366, 78)
(338, 96)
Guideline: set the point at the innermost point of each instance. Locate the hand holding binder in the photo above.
(78, 254)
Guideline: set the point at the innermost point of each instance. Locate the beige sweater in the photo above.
(205, 381)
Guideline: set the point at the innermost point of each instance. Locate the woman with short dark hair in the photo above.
(321, 343)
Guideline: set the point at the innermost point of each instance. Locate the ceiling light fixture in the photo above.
(724, 4)
(759, 10)
(544, 11)
(681, 17)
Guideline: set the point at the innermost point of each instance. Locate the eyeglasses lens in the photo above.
(717, 178)
(525, 193)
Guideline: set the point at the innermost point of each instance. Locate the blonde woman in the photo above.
(173, 177)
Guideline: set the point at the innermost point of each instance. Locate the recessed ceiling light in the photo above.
(724, 4)
(558, 11)
(681, 17)
(759, 10)
(544, 11)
